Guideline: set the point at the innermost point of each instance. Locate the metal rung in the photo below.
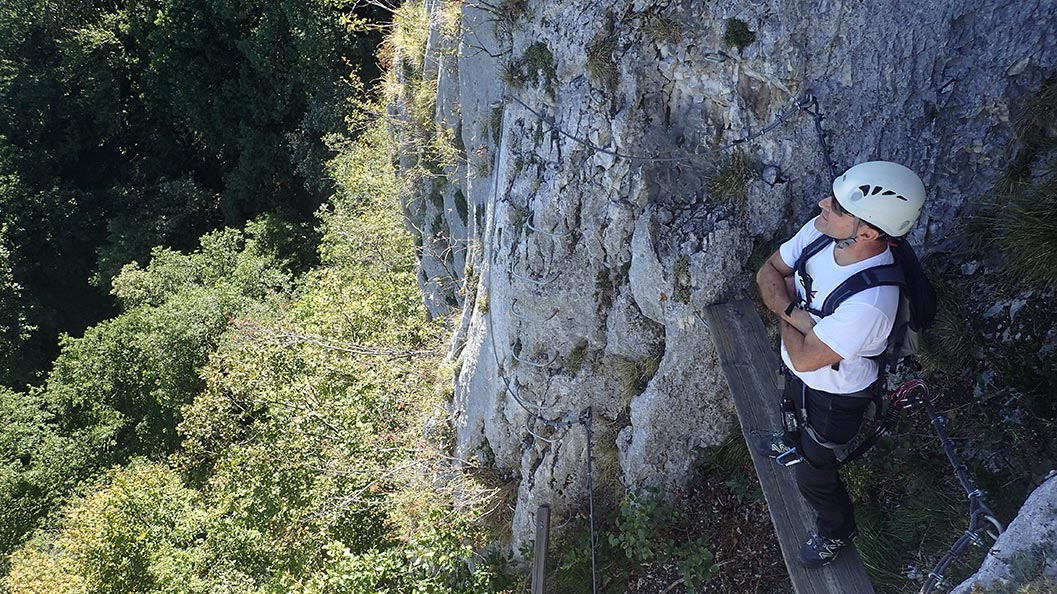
(533, 363)
(514, 312)
(540, 437)
(543, 282)
(527, 405)
(551, 234)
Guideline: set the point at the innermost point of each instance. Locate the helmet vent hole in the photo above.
(876, 190)
(864, 189)
(888, 193)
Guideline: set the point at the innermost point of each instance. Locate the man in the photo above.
(830, 372)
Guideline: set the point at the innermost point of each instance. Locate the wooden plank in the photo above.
(750, 364)
(539, 554)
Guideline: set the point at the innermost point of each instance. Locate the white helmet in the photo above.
(884, 194)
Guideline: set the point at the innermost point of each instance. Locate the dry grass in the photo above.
(729, 179)
(600, 64)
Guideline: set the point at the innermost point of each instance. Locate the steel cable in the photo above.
(808, 104)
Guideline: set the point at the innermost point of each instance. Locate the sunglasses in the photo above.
(837, 208)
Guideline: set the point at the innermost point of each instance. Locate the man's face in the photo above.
(837, 225)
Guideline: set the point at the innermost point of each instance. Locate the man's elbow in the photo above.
(763, 273)
(804, 366)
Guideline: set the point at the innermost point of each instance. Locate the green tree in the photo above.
(127, 378)
(117, 391)
(14, 325)
(150, 122)
(35, 463)
(118, 539)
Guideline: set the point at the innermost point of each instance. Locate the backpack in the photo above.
(917, 297)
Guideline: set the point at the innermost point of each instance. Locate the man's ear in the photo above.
(869, 233)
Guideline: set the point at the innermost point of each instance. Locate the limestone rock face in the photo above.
(593, 218)
(1028, 546)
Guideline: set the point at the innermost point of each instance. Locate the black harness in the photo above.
(794, 418)
(877, 276)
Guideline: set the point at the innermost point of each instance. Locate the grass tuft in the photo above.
(729, 179)
(738, 35)
(600, 64)
(574, 361)
(1026, 229)
(1036, 123)
(663, 30)
(634, 376)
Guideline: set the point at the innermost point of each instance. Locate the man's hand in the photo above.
(800, 319)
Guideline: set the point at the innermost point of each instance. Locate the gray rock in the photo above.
(1030, 540)
(607, 260)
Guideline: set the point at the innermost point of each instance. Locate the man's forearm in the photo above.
(806, 351)
(778, 292)
(773, 289)
(793, 340)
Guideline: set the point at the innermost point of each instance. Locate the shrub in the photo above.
(536, 65)
(644, 533)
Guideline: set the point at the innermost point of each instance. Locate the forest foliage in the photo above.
(217, 373)
(236, 431)
(132, 124)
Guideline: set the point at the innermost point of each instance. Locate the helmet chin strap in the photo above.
(843, 243)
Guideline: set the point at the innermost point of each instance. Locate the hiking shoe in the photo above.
(772, 444)
(819, 550)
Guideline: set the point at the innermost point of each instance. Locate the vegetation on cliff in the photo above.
(217, 374)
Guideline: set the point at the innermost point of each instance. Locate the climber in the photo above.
(829, 373)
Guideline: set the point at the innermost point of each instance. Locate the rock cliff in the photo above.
(592, 218)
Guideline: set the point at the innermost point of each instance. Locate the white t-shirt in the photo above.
(860, 325)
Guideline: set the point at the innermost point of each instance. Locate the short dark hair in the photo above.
(880, 234)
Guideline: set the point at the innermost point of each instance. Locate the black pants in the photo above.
(835, 418)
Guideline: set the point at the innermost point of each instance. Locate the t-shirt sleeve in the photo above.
(853, 326)
(791, 250)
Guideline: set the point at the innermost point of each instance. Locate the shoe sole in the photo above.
(816, 564)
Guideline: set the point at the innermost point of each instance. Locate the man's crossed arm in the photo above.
(806, 351)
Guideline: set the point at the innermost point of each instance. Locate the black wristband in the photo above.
(789, 310)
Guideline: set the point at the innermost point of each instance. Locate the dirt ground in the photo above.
(733, 515)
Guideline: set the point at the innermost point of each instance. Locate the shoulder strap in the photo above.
(878, 276)
(812, 248)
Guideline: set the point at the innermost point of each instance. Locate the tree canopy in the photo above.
(131, 124)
